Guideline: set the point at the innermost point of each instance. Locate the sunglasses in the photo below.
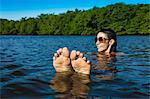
(100, 39)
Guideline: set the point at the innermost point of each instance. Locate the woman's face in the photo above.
(102, 42)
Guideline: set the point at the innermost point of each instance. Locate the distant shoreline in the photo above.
(122, 18)
(80, 35)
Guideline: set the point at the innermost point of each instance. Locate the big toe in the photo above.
(73, 55)
(65, 52)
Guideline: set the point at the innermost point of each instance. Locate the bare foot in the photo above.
(61, 60)
(79, 63)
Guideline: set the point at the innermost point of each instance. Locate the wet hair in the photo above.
(111, 35)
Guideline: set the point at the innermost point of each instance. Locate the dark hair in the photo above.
(111, 35)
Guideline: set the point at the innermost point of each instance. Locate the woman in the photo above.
(106, 42)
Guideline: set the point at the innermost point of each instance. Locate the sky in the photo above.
(16, 9)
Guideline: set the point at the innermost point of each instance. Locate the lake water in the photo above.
(27, 71)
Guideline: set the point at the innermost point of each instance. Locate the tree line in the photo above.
(123, 19)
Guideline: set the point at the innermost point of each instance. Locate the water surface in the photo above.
(27, 71)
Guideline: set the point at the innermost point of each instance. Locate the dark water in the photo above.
(27, 71)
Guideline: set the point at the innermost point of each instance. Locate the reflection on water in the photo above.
(102, 65)
(27, 71)
(70, 85)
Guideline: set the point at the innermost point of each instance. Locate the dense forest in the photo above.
(123, 19)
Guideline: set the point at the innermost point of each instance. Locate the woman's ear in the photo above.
(111, 42)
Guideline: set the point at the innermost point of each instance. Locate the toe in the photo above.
(84, 58)
(78, 53)
(73, 54)
(59, 51)
(65, 52)
(55, 54)
(81, 55)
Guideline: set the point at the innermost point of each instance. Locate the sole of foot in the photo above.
(61, 60)
(80, 63)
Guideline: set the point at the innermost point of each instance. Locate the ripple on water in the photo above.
(10, 66)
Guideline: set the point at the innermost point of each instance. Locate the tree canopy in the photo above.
(123, 19)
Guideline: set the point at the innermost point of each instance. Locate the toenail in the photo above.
(55, 54)
(81, 54)
(88, 61)
(58, 51)
(73, 50)
(84, 58)
(65, 48)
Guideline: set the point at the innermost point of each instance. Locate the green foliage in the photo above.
(123, 19)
